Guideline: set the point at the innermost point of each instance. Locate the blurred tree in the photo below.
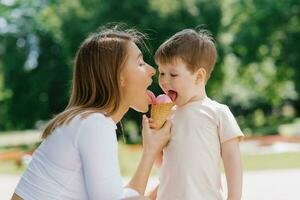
(263, 44)
(259, 74)
(160, 19)
(39, 40)
(36, 74)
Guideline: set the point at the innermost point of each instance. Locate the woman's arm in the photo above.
(98, 150)
(153, 194)
(153, 143)
(233, 168)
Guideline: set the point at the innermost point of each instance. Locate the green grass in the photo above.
(271, 161)
(129, 157)
(10, 167)
(130, 154)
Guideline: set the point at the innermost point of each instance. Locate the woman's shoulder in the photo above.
(95, 119)
(94, 127)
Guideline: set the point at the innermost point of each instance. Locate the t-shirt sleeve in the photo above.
(228, 127)
(97, 145)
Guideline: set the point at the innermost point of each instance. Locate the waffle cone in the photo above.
(160, 112)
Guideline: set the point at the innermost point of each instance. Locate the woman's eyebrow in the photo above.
(140, 55)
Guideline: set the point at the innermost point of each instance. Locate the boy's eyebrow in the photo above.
(161, 70)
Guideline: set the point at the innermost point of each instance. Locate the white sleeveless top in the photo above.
(77, 161)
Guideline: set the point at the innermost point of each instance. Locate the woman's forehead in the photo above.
(134, 50)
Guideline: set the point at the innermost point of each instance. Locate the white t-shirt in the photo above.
(191, 162)
(77, 161)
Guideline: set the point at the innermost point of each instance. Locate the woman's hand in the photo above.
(155, 140)
(137, 198)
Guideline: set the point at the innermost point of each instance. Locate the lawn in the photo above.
(130, 154)
(271, 161)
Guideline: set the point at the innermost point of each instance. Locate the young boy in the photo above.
(204, 131)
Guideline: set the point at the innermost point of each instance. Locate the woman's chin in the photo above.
(141, 108)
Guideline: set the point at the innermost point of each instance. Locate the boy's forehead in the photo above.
(168, 66)
(172, 66)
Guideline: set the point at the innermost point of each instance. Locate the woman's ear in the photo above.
(201, 74)
(122, 80)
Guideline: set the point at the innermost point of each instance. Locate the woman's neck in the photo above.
(118, 115)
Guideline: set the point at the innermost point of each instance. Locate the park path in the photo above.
(258, 185)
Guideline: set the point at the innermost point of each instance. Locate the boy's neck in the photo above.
(202, 95)
(199, 97)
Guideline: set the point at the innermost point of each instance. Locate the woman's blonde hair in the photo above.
(95, 84)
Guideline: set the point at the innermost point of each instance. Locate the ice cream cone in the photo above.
(160, 112)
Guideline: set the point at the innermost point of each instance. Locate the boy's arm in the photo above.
(233, 168)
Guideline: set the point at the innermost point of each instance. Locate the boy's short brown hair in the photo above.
(195, 49)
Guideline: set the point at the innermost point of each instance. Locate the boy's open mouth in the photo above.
(173, 95)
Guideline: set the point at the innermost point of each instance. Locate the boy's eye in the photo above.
(174, 75)
(161, 74)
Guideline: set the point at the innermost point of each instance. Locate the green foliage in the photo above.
(257, 40)
(261, 63)
(40, 39)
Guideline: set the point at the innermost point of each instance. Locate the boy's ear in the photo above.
(201, 74)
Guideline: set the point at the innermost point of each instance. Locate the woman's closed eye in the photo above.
(141, 61)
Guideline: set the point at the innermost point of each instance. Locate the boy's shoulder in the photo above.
(215, 105)
(207, 107)
(221, 110)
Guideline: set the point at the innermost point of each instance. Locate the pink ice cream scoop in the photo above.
(162, 98)
(160, 109)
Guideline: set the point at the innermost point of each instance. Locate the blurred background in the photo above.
(257, 75)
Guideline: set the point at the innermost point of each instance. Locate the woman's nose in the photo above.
(151, 70)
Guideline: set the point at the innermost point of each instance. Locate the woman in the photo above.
(78, 158)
